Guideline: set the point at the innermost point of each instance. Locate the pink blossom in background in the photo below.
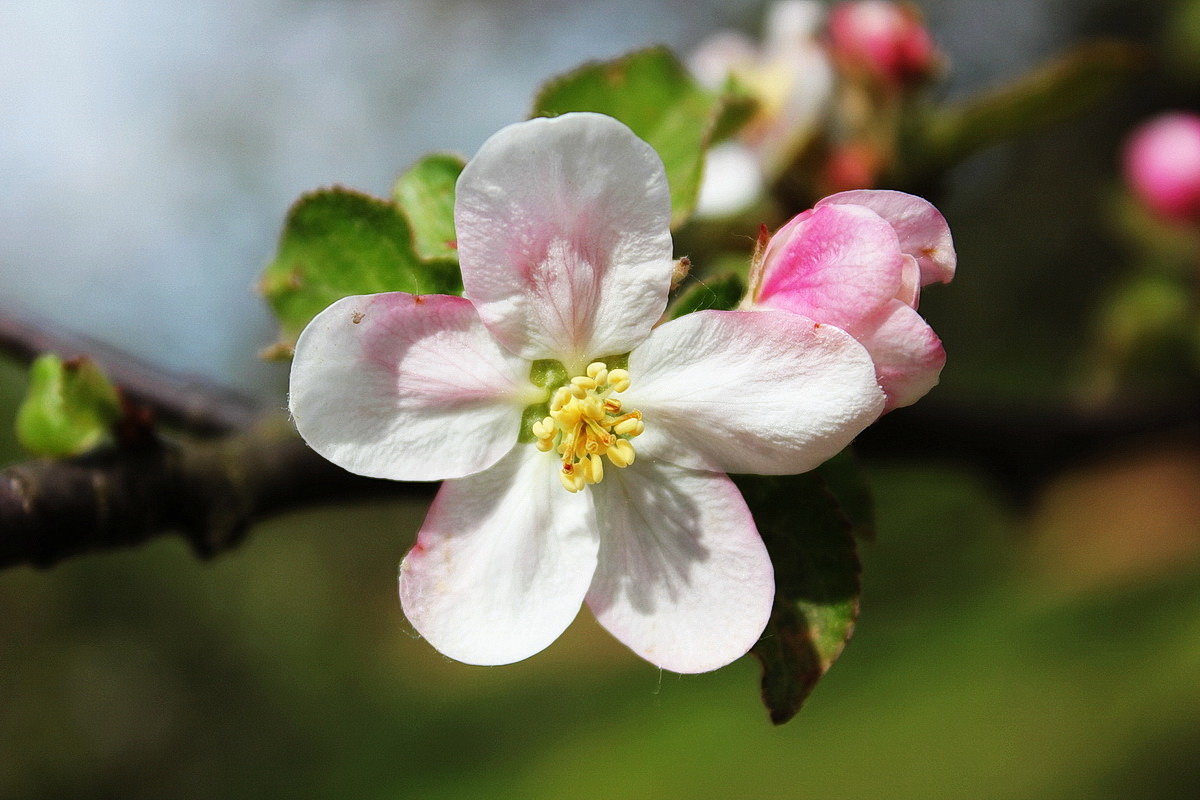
(1162, 165)
(858, 261)
(886, 40)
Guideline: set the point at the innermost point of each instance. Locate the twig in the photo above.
(1021, 447)
(192, 403)
(208, 492)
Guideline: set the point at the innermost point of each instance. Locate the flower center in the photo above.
(586, 422)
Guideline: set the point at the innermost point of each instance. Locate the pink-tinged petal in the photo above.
(908, 355)
(563, 237)
(764, 392)
(502, 562)
(839, 264)
(684, 579)
(407, 387)
(921, 228)
(910, 282)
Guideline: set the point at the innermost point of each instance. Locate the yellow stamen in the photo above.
(586, 423)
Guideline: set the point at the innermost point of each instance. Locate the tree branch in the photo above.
(189, 402)
(1020, 447)
(208, 492)
(211, 491)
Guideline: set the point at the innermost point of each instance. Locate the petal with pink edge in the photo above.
(563, 237)
(502, 563)
(763, 392)
(406, 387)
(837, 264)
(908, 355)
(922, 229)
(683, 578)
(910, 282)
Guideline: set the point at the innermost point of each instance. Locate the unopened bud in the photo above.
(885, 40)
(1162, 165)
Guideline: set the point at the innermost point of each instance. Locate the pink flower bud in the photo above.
(857, 261)
(1162, 165)
(885, 40)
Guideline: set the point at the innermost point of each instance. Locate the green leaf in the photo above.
(1049, 94)
(816, 585)
(336, 243)
(69, 407)
(844, 478)
(651, 92)
(738, 107)
(722, 292)
(425, 193)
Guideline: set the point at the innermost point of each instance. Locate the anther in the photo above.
(630, 427)
(618, 379)
(621, 454)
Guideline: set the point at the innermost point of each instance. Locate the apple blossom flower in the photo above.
(1162, 165)
(790, 76)
(584, 451)
(858, 260)
(883, 39)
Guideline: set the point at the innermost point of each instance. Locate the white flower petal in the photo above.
(684, 579)
(791, 24)
(764, 392)
(406, 387)
(563, 237)
(731, 182)
(502, 562)
(719, 55)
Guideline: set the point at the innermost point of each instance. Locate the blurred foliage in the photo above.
(1052, 93)
(69, 408)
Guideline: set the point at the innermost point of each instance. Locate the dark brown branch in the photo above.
(1021, 446)
(210, 493)
(195, 404)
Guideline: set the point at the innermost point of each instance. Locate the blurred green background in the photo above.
(1045, 649)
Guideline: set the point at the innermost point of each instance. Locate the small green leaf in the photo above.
(723, 292)
(336, 243)
(651, 92)
(425, 193)
(69, 407)
(816, 585)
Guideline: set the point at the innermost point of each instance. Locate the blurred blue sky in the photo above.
(149, 150)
